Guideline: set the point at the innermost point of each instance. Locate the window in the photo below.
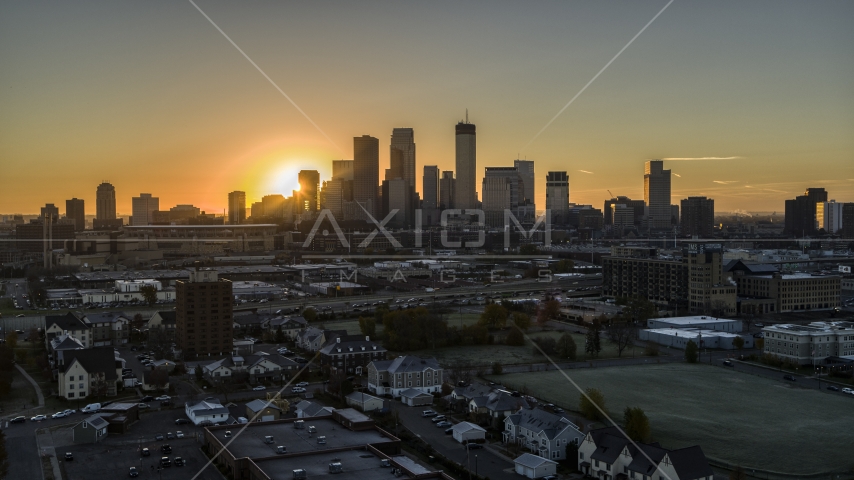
(71, 387)
(71, 395)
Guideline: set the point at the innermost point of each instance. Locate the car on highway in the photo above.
(259, 388)
(38, 418)
(162, 398)
(444, 424)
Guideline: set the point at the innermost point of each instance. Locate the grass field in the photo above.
(737, 418)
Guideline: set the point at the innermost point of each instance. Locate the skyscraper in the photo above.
(447, 190)
(465, 195)
(143, 209)
(274, 205)
(800, 212)
(309, 185)
(557, 195)
(698, 217)
(74, 210)
(656, 193)
(502, 190)
(105, 202)
(203, 323)
(828, 215)
(526, 171)
(237, 207)
(366, 174)
(342, 169)
(430, 192)
(403, 150)
(50, 210)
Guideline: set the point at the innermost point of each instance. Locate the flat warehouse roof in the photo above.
(356, 465)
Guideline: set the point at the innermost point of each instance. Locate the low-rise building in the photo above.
(607, 453)
(794, 292)
(364, 402)
(543, 433)
(308, 409)
(350, 354)
(163, 321)
(533, 466)
(414, 397)
(109, 328)
(262, 411)
(310, 339)
(91, 430)
(258, 368)
(93, 371)
(208, 412)
(465, 432)
(497, 405)
(391, 377)
(809, 344)
(289, 325)
(698, 321)
(68, 324)
(679, 338)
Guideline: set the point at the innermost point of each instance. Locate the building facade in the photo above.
(698, 217)
(236, 207)
(105, 202)
(809, 344)
(366, 175)
(656, 194)
(801, 212)
(74, 210)
(829, 216)
(203, 320)
(392, 377)
(144, 207)
(557, 195)
(465, 193)
(447, 190)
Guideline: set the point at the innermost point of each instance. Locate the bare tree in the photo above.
(621, 333)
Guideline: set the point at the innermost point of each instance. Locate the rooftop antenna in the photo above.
(467, 115)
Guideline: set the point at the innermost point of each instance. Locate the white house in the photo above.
(207, 411)
(533, 466)
(391, 377)
(464, 432)
(93, 371)
(606, 453)
(543, 433)
(68, 324)
(364, 402)
(310, 339)
(415, 398)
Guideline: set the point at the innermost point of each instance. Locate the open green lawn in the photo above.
(738, 418)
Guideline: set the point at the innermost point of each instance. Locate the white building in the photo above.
(364, 402)
(698, 321)
(207, 411)
(391, 377)
(465, 432)
(532, 466)
(679, 338)
(809, 344)
(829, 216)
(543, 433)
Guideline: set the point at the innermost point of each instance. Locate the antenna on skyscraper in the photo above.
(467, 115)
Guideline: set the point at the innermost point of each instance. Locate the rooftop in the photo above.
(692, 320)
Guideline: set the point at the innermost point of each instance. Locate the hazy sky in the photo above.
(151, 97)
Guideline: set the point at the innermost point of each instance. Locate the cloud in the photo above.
(685, 159)
(725, 182)
(585, 171)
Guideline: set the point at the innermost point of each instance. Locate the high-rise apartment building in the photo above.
(74, 209)
(526, 171)
(465, 195)
(557, 195)
(656, 192)
(203, 315)
(829, 216)
(403, 153)
(309, 189)
(144, 207)
(447, 190)
(801, 212)
(366, 175)
(237, 207)
(848, 220)
(105, 202)
(698, 217)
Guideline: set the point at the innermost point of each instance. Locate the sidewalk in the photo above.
(33, 382)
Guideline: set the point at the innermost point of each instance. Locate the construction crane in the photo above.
(609, 193)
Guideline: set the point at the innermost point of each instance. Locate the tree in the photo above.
(719, 308)
(691, 352)
(309, 314)
(737, 473)
(197, 370)
(515, 338)
(550, 310)
(494, 316)
(621, 333)
(759, 343)
(33, 336)
(6, 367)
(593, 344)
(545, 346)
(159, 378)
(4, 456)
(497, 369)
(12, 339)
(640, 310)
(521, 320)
(590, 400)
(738, 343)
(280, 335)
(368, 326)
(637, 424)
(137, 322)
(149, 294)
(566, 347)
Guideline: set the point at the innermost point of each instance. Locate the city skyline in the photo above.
(770, 114)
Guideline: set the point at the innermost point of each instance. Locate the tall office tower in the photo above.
(848, 220)
(656, 193)
(638, 207)
(342, 169)
(332, 195)
(309, 186)
(698, 217)
(397, 195)
(829, 216)
(395, 167)
(143, 209)
(75, 210)
(51, 210)
(237, 207)
(274, 205)
(465, 195)
(447, 190)
(674, 215)
(256, 210)
(105, 202)
(800, 212)
(503, 189)
(526, 171)
(403, 149)
(203, 323)
(366, 175)
(430, 187)
(557, 195)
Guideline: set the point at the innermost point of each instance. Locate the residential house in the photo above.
(605, 453)
(208, 411)
(543, 433)
(497, 405)
(364, 402)
(391, 377)
(414, 397)
(109, 328)
(290, 326)
(465, 432)
(307, 409)
(252, 323)
(68, 324)
(258, 368)
(163, 322)
(310, 339)
(262, 411)
(533, 466)
(93, 371)
(155, 380)
(350, 354)
(61, 344)
(91, 430)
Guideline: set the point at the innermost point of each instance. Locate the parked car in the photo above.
(179, 434)
(18, 420)
(790, 378)
(444, 424)
(473, 446)
(133, 472)
(297, 390)
(38, 418)
(170, 435)
(146, 452)
(728, 363)
(147, 398)
(449, 430)
(437, 418)
(259, 388)
(69, 411)
(428, 413)
(58, 415)
(302, 384)
(165, 462)
(69, 456)
(142, 406)
(848, 391)
(165, 448)
(179, 462)
(181, 421)
(833, 388)
(163, 397)
(159, 437)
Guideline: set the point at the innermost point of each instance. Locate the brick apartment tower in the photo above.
(204, 314)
